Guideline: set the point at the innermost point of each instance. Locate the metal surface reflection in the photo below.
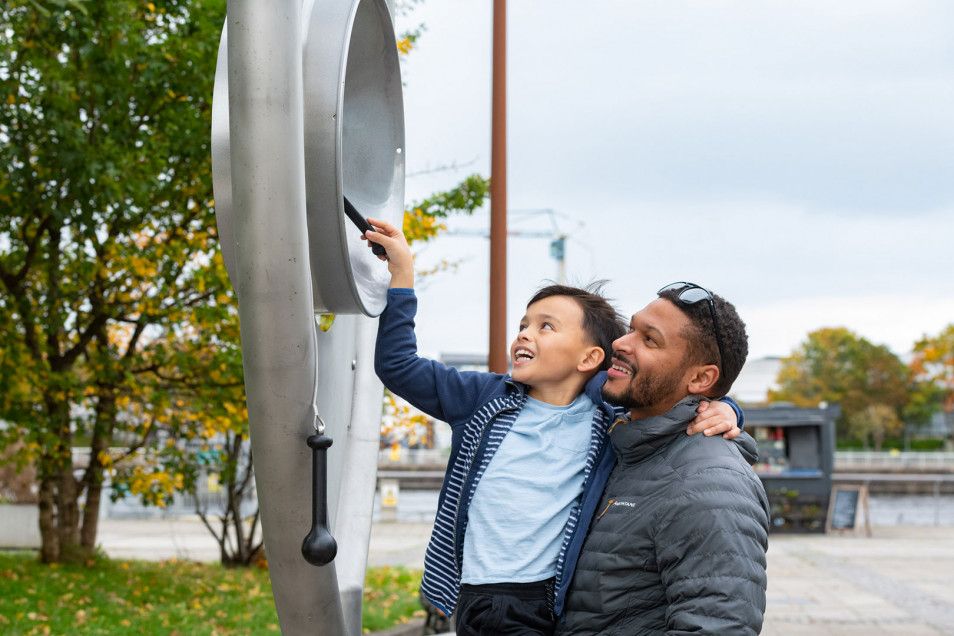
(307, 109)
(363, 125)
(354, 147)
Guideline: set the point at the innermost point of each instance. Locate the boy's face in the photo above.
(551, 343)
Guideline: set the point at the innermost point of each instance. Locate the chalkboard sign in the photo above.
(845, 508)
(845, 504)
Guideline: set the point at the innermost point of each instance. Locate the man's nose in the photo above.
(624, 343)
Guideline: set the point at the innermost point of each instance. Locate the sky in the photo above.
(796, 157)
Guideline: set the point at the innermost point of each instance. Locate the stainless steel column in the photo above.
(274, 288)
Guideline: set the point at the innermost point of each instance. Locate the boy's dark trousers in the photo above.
(506, 609)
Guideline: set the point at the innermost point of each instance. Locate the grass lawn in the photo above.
(168, 597)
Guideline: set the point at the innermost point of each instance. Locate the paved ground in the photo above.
(899, 581)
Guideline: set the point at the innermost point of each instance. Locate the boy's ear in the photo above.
(701, 379)
(592, 359)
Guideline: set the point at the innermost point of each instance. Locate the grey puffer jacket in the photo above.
(677, 545)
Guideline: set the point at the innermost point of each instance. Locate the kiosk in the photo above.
(796, 461)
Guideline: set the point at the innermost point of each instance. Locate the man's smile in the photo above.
(620, 367)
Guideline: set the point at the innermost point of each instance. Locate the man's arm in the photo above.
(710, 549)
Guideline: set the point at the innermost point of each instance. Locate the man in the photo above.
(677, 543)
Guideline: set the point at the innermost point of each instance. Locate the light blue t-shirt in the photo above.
(523, 501)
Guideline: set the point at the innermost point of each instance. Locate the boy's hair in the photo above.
(700, 336)
(601, 323)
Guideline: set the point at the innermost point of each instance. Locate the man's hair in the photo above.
(700, 336)
(601, 323)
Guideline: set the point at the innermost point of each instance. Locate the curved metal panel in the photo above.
(358, 478)
(221, 162)
(353, 105)
(296, 126)
(354, 147)
(272, 278)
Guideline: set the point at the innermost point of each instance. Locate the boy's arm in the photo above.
(439, 391)
(722, 416)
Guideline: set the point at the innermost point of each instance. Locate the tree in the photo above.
(107, 234)
(933, 367)
(933, 362)
(876, 421)
(118, 324)
(836, 365)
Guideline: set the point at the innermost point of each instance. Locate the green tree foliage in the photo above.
(933, 362)
(118, 326)
(836, 365)
(111, 282)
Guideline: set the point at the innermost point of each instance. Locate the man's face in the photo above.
(550, 344)
(649, 374)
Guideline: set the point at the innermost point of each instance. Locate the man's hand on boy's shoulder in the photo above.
(399, 257)
(713, 418)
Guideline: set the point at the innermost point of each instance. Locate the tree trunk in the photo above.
(235, 505)
(67, 512)
(59, 512)
(94, 493)
(49, 542)
(93, 478)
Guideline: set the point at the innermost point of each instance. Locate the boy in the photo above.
(528, 455)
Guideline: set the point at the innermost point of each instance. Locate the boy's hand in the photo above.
(714, 418)
(399, 258)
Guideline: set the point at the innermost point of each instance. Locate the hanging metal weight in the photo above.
(319, 547)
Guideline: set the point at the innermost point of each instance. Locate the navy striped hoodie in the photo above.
(480, 408)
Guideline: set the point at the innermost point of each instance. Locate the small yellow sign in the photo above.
(389, 493)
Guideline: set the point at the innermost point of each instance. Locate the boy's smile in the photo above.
(550, 348)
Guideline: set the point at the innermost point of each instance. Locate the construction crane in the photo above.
(557, 238)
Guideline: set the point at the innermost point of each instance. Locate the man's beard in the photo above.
(645, 391)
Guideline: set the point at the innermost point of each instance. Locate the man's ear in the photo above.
(701, 379)
(592, 359)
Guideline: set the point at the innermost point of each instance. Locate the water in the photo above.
(885, 510)
(911, 510)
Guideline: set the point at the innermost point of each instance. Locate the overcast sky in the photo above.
(795, 157)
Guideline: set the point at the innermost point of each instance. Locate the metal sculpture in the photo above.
(307, 110)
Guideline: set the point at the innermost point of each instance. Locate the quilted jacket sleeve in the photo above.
(710, 550)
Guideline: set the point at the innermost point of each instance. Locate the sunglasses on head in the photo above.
(690, 294)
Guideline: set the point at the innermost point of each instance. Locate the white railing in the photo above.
(894, 459)
(412, 457)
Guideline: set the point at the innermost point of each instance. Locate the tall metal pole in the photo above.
(497, 355)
